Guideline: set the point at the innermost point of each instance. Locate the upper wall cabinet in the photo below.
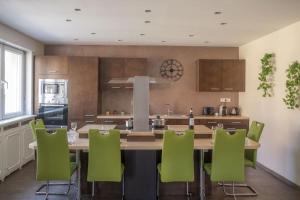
(221, 75)
(51, 65)
(119, 68)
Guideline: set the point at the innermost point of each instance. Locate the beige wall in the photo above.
(280, 142)
(21, 40)
(181, 95)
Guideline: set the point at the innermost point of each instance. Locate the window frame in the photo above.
(3, 48)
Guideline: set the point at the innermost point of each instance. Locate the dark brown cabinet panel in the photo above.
(233, 75)
(135, 67)
(209, 75)
(83, 89)
(221, 75)
(51, 65)
(112, 68)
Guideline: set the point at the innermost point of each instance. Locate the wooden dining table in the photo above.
(200, 144)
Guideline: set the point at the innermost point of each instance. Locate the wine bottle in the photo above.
(191, 120)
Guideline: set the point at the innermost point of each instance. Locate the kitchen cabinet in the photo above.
(221, 75)
(229, 124)
(233, 75)
(209, 75)
(51, 65)
(120, 69)
(12, 149)
(83, 89)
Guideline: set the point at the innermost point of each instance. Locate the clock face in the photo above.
(171, 69)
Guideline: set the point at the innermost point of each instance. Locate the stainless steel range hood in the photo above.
(152, 80)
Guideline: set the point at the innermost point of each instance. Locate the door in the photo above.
(1, 157)
(12, 150)
(233, 75)
(83, 87)
(209, 75)
(27, 154)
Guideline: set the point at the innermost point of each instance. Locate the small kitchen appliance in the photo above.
(208, 111)
(223, 110)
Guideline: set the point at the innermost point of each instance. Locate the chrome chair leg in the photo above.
(48, 185)
(123, 187)
(188, 194)
(243, 185)
(233, 194)
(93, 189)
(157, 186)
(47, 190)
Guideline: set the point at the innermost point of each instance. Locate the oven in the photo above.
(53, 91)
(54, 115)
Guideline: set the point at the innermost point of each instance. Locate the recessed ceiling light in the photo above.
(68, 20)
(147, 21)
(191, 35)
(217, 12)
(142, 34)
(206, 42)
(77, 9)
(163, 41)
(148, 11)
(76, 39)
(120, 40)
(223, 23)
(93, 33)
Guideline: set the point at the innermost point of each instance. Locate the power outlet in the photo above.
(222, 100)
(227, 100)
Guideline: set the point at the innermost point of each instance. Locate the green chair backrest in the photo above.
(254, 133)
(34, 124)
(53, 161)
(104, 156)
(177, 162)
(228, 156)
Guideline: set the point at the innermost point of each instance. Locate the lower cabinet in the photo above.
(12, 145)
(14, 150)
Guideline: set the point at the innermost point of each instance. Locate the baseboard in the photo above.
(278, 176)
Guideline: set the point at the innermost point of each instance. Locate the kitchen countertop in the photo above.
(199, 129)
(237, 117)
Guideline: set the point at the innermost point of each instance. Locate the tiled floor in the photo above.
(21, 185)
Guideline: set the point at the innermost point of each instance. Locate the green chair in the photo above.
(227, 159)
(254, 134)
(53, 161)
(177, 161)
(105, 158)
(39, 123)
(34, 124)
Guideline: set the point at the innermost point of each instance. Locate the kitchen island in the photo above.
(140, 159)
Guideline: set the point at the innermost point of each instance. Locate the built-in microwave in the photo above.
(53, 91)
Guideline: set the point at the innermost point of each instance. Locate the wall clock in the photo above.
(171, 69)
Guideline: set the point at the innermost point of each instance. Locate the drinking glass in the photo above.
(74, 126)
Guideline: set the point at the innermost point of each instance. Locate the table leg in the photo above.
(202, 186)
(78, 174)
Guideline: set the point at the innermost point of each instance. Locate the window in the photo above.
(12, 74)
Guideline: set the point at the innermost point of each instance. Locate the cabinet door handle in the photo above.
(211, 122)
(214, 88)
(235, 122)
(89, 121)
(89, 115)
(53, 71)
(108, 121)
(115, 87)
(229, 89)
(129, 87)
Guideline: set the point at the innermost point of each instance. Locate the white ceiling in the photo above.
(171, 20)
